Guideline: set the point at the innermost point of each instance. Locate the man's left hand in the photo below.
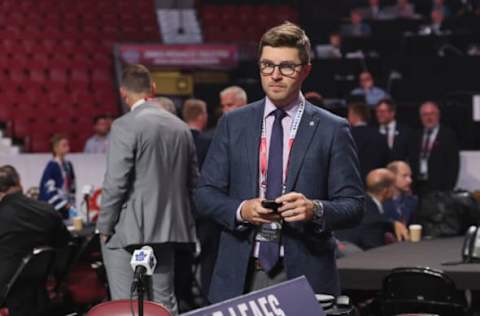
(401, 231)
(295, 207)
(104, 238)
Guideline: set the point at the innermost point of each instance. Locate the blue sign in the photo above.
(291, 298)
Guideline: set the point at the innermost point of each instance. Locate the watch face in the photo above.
(318, 209)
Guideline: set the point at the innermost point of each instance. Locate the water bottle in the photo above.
(72, 212)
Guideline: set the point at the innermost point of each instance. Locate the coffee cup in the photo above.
(77, 223)
(415, 232)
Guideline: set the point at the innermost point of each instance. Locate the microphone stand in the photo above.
(86, 198)
(140, 294)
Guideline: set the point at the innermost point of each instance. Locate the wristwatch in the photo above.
(317, 210)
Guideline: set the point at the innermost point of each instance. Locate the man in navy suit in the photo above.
(375, 223)
(372, 148)
(398, 136)
(281, 148)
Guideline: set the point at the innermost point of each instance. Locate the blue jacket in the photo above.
(401, 209)
(323, 165)
(52, 186)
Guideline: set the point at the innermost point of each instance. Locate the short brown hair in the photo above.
(55, 140)
(431, 103)
(389, 103)
(137, 79)
(361, 110)
(287, 35)
(193, 108)
(394, 166)
(8, 179)
(11, 173)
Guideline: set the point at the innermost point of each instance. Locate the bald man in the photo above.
(371, 231)
(401, 207)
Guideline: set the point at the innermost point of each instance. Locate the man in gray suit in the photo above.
(151, 171)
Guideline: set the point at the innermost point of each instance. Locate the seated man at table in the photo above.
(371, 231)
(401, 207)
(24, 224)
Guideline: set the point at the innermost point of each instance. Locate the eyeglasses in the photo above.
(285, 68)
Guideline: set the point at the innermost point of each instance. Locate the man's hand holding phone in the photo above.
(255, 212)
(271, 205)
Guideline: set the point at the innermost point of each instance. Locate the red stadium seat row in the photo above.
(109, 33)
(56, 63)
(41, 143)
(37, 132)
(25, 7)
(52, 76)
(244, 23)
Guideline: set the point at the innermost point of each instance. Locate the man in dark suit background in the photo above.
(285, 149)
(398, 136)
(435, 157)
(194, 113)
(375, 223)
(24, 224)
(372, 148)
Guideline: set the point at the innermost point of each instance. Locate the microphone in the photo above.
(143, 263)
(87, 190)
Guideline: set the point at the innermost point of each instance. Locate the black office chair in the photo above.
(32, 272)
(420, 290)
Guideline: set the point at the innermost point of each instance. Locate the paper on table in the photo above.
(476, 107)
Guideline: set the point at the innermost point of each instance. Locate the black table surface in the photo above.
(366, 270)
(86, 231)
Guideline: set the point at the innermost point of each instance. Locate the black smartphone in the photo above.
(271, 204)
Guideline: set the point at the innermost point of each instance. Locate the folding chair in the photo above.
(33, 271)
(420, 290)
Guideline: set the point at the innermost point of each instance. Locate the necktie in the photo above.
(426, 143)
(269, 251)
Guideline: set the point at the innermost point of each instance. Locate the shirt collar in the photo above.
(360, 124)
(136, 104)
(377, 203)
(391, 125)
(290, 110)
(434, 130)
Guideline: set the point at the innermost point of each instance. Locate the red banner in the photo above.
(180, 56)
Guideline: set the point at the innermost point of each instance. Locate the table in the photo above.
(87, 230)
(366, 270)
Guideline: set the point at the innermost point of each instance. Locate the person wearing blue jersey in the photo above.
(57, 185)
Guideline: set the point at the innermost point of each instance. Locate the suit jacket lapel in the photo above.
(306, 130)
(437, 140)
(252, 141)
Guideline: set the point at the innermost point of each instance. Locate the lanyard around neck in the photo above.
(263, 149)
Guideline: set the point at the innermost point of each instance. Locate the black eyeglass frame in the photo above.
(291, 67)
